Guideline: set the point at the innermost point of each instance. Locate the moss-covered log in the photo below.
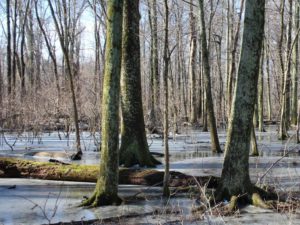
(19, 168)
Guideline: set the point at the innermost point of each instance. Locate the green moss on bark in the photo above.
(134, 148)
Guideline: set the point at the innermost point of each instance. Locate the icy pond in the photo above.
(43, 202)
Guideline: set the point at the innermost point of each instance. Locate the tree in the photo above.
(235, 179)
(154, 79)
(294, 104)
(8, 47)
(134, 147)
(166, 190)
(260, 98)
(192, 66)
(285, 98)
(64, 35)
(106, 190)
(215, 145)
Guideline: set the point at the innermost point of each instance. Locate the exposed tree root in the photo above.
(257, 201)
(101, 199)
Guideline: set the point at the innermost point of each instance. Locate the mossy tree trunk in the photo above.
(106, 190)
(294, 104)
(235, 178)
(215, 146)
(134, 147)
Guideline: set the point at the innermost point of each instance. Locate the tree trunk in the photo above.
(106, 190)
(8, 56)
(192, 66)
(235, 178)
(260, 99)
(155, 80)
(254, 150)
(285, 98)
(166, 191)
(67, 58)
(267, 54)
(294, 103)
(215, 146)
(134, 147)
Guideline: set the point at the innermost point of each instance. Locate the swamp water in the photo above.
(27, 201)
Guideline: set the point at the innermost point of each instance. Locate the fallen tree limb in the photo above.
(20, 168)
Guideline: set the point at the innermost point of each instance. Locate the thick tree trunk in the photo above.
(106, 190)
(215, 146)
(134, 147)
(235, 178)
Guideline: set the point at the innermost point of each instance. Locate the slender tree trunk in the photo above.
(280, 42)
(294, 103)
(50, 51)
(106, 190)
(8, 56)
(235, 179)
(215, 146)
(260, 99)
(192, 66)
(155, 80)
(134, 147)
(66, 54)
(166, 191)
(285, 98)
(232, 74)
(14, 49)
(267, 54)
(254, 149)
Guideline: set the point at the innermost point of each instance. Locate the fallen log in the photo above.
(20, 168)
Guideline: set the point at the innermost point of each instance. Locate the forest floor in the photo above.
(29, 201)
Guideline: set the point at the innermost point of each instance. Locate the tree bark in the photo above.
(294, 103)
(215, 146)
(260, 99)
(285, 98)
(106, 190)
(235, 178)
(192, 66)
(8, 56)
(134, 147)
(166, 190)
